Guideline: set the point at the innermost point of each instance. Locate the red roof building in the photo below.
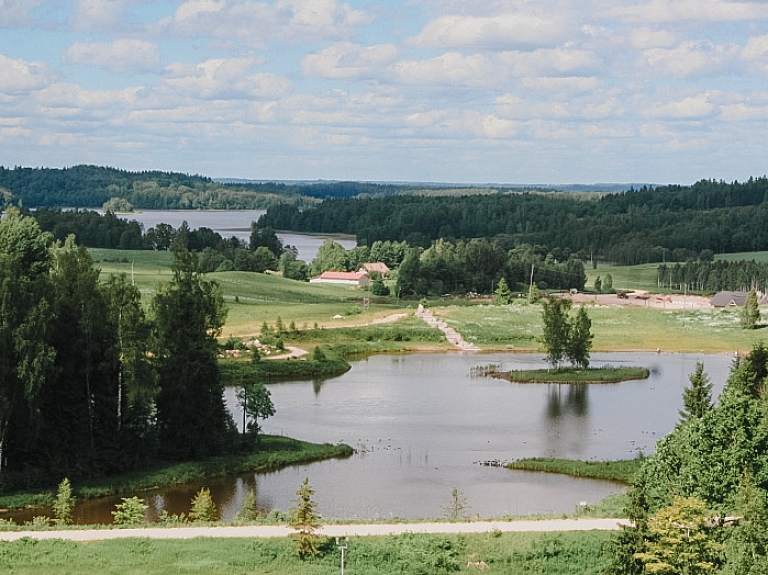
(359, 278)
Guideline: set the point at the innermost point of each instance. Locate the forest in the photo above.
(669, 223)
(91, 383)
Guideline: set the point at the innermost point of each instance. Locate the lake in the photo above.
(235, 223)
(422, 424)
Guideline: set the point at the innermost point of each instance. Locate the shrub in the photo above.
(130, 511)
(203, 507)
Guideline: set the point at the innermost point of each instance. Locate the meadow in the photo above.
(253, 299)
(506, 553)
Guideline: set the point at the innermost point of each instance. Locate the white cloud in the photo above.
(224, 78)
(660, 11)
(518, 29)
(490, 126)
(118, 56)
(693, 107)
(16, 12)
(547, 61)
(450, 68)
(645, 38)
(755, 53)
(18, 76)
(743, 112)
(244, 22)
(558, 84)
(346, 60)
(690, 59)
(97, 14)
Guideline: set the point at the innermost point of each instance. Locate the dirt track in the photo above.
(348, 530)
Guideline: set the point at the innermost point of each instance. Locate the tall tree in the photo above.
(26, 351)
(502, 295)
(189, 314)
(697, 399)
(256, 402)
(580, 339)
(556, 329)
(331, 256)
(305, 520)
(750, 315)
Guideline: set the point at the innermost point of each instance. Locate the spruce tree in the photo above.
(697, 399)
(305, 520)
(502, 295)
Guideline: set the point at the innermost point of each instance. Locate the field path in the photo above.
(348, 530)
(451, 334)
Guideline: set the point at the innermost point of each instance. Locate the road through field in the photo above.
(345, 530)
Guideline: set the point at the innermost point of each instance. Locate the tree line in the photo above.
(669, 223)
(93, 383)
(92, 186)
(714, 276)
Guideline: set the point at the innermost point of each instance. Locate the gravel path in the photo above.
(348, 530)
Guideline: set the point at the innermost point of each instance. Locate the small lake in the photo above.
(235, 223)
(422, 424)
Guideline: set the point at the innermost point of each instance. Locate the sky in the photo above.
(507, 91)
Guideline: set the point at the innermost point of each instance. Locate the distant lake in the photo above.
(235, 223)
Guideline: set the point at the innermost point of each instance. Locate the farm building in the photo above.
(734, 299)
(359, 278)
(380, 267)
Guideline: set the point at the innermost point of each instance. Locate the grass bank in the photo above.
(237, 373)
(275, 452)
(543, 553)
(622, 470)
(575, 375)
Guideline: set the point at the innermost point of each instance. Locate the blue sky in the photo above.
(518, 91)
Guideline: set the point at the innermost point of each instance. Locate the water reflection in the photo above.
(576, 401)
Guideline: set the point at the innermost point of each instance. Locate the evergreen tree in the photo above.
(747, 548)
(256, 402)
(64, 503)
(608, 283)
(697, 399)
(630, 540)
(598, 285)
(305, 520)
(502, 295)
(189, 312)
(750, 315)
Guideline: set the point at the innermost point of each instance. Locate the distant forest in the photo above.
(668, 223)
(650, 224)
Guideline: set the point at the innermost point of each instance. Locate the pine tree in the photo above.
(697, 399)
(502, 295)
(305, 520)
(64, 504)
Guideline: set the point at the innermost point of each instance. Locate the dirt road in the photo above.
(348, 530)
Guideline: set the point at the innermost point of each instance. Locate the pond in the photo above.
(235, 223)
(422, 424)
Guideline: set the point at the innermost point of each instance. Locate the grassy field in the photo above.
(257, 298)
(506, 553)
(519, 327)
(642, 277)
(761, 257)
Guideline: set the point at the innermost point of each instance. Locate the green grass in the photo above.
(541, 553)
(760, 257)
(641, 277)
(615, 328)
(574, 375)
(621, 471)
(275, 452)
(235, 372)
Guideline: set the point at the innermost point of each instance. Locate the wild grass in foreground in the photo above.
(542, 553)
(622, 470)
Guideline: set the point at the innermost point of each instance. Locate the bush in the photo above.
(203, 507)
(130, 511)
